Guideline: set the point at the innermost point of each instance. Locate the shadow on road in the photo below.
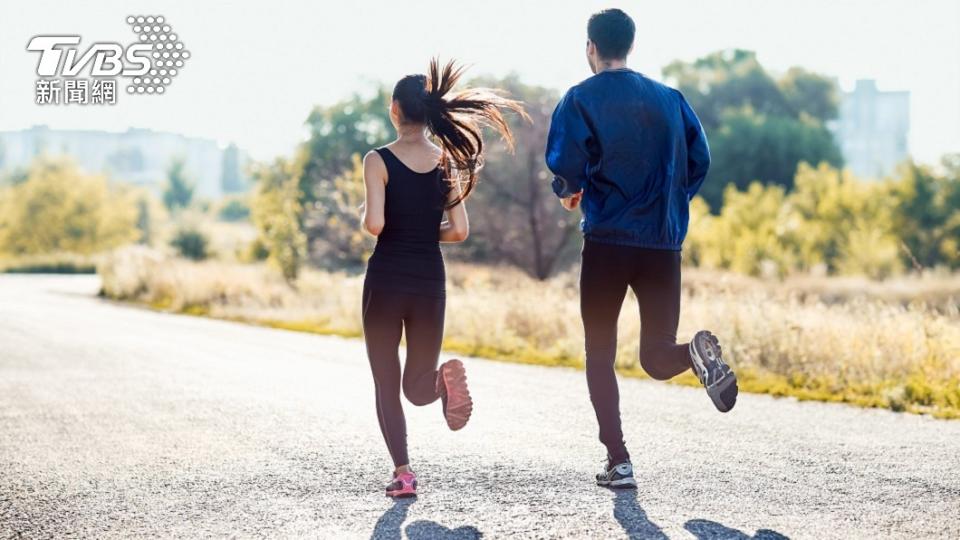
(389, 525)
(631, 516)
(429, 530)
(705, 529)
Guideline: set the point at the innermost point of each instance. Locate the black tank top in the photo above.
(407, 257)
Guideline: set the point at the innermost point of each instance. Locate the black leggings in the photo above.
(654, 275)
(385, 315)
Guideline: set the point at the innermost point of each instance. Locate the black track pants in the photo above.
(654, 275)
(386, 314)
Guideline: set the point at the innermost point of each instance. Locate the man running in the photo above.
(631, 153)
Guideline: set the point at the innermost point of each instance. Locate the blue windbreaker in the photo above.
(638, 152)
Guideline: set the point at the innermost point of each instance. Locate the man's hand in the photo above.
(572, 202)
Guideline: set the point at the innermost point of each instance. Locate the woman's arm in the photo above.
(457, 227)
(375, 187)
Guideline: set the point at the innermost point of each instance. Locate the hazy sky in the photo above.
(259, 66)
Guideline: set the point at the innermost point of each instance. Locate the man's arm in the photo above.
(567, 155)
(698, 152)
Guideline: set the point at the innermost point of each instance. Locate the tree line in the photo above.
(762, 209)
(761, 128)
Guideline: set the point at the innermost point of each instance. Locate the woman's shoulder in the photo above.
(377, 152)
(374, 160)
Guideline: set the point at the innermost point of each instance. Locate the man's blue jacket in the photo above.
(638, 152)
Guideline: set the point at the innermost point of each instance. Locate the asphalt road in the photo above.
(121, 422)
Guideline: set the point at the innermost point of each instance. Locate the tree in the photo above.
(337, 133)
(517, 218)
(337, 233)
(727, 80)
(277, 213)
(928, 216)
(759, 128)
(748, 147)
(58, 209)
(179, 189)
(810, 94)
(844, 223)
(151, 215)
(830, 220)
(749, 234)
(950, 244)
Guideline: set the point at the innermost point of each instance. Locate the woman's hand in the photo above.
(572, 202)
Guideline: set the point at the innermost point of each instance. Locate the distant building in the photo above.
(872, 129)
(136, 156)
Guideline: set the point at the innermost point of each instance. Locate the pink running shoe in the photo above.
(403, 485)
(452, 386)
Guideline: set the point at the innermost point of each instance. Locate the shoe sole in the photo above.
(459, 404)
(717, 389)
(623, 483)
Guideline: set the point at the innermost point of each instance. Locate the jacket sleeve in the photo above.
(567, 155)
(698, 152)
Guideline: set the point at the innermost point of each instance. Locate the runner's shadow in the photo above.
(705, 529)
(631, 516)
(388, 526)
(430, 530)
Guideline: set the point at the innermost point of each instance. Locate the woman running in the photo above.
(410, 184)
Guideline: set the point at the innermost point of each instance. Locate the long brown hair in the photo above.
(456, 119)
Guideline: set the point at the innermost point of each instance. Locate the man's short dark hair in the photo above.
(612, 31)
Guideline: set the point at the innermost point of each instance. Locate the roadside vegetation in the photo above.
(850, 340)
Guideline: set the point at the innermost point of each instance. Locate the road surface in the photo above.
(117, 421)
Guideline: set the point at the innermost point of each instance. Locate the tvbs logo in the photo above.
(148, 65)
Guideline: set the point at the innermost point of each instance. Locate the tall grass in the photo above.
(894, 345)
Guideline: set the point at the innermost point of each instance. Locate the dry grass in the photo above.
(51, 263)
(894, 345)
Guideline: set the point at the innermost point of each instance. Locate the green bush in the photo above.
(191, 244)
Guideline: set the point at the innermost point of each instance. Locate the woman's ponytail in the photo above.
(456, 119)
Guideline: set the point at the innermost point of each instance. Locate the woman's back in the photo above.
(407, 256)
